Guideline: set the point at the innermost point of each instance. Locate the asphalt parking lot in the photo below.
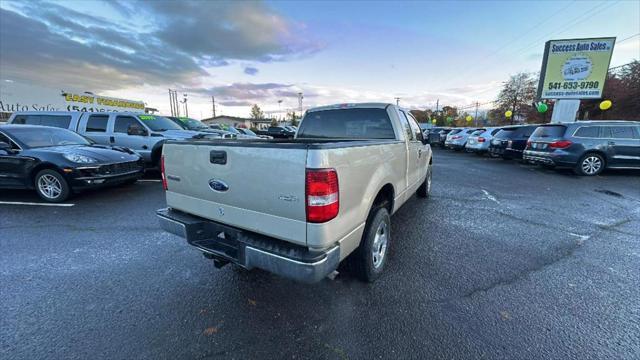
(505, 261)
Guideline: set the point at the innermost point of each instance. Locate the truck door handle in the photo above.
(218, 157)
(419, 152)
(112, 139)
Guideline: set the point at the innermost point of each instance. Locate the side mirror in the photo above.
(5, 148)
(136, 130)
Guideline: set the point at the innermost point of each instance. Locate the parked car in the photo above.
(479, 140)
(196, 125)
(433, 134)
(57, 162)
(347, 170)
(509, 143)
(443, 135)
(252, 134)
(143, 133)
(278, 132)
(458, 140)
(588, 147)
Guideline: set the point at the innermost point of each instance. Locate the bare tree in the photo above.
(517, 95)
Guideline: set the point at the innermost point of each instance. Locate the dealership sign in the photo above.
(575, 69)
(15, 96)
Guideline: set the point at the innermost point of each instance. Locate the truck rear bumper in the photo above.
(250, 250)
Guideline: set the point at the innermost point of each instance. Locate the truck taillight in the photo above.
(481, 139)
(560, 144)
(322, 195)
(164, 177)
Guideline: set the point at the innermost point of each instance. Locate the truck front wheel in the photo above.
(371, 256)
(425, 188)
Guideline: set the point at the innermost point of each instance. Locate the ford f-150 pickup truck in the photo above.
(298, 207)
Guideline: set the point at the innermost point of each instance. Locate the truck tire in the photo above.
(51, 186)
(370, 257)
(425, 188)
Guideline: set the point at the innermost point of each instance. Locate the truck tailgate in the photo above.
(261, 189)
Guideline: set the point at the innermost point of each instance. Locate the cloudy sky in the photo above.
(260, 52)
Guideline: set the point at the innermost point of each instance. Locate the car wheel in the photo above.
(51, 186)
(590, 165)
(425, 188)
(370, 257)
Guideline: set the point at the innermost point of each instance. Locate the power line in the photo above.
(630, 37)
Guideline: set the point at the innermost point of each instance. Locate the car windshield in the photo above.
(232, 130)
(189, 123)
(249, 132)
(551, 131)
(159, 123)
(477, 132)
(46, 136)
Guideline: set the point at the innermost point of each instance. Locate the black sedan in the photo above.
(58, 162)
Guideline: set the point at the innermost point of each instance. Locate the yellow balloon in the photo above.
(605, 105)
(469, 117)
(508, 113)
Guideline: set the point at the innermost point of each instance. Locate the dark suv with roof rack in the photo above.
(586, 146)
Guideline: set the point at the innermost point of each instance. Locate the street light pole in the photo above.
(300, 97)
(397, 101)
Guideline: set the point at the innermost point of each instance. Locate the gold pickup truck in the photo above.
(298, 207)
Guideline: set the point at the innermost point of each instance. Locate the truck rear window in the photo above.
(354, 123)
(61, 121)
(553, 131)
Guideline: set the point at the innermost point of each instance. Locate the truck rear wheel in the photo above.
(370, 257)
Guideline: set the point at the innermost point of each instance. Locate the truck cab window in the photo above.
(415, 127)
(97, 123)
(407, 128)
(123, 122)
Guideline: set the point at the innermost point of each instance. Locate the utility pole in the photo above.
(213, 104)
(437, 106)
(186, 109)
(300, 97)
(476, 117)
(173, 103)
(397, 101)
(279, 108)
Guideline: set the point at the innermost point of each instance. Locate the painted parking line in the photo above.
(149, 180)
(34, 204)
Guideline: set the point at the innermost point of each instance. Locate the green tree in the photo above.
(256, 112)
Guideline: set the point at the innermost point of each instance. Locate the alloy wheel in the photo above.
(379, 248)
(49, 186)
(591, 165)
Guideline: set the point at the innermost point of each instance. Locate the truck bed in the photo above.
(260, 185)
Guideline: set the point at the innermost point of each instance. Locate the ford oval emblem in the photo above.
(218, 185)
